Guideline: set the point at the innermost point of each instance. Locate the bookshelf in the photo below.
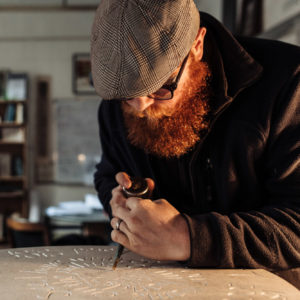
(13, 157)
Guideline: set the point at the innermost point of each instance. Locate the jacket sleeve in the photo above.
(270, 236)
(104, 177)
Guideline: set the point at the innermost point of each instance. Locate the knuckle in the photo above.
(160, 201)
(112, 221)
(113, 235)
(115, 190)
(134, 203)
(117, 199)
(112, 204)
(113, 199)
(117, 211)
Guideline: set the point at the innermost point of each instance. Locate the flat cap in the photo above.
(137, 44)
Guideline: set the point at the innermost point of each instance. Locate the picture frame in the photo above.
(17, 86)
(82, 83)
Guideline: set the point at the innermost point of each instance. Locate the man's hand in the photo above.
(154, 229)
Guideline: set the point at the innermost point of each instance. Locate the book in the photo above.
(19, 113)
(13, 135)
(10, 113)
(17, 166)
(5, 164)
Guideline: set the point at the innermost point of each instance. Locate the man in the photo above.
(212, 123)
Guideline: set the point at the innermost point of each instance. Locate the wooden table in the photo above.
(85, 272)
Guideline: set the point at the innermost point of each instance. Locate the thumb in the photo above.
(151, 185)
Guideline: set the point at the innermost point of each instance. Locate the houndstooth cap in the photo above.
(137, 44)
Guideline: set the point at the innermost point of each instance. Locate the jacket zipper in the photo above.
(199, 148)
(230, 99)
(209, 169)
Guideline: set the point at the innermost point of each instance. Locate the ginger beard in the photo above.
(166, 132)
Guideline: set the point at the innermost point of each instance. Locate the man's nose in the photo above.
(140, 103)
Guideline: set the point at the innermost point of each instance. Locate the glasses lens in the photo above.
(161, 94)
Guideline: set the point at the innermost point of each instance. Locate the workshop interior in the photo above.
(48, 148)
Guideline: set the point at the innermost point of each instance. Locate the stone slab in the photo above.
(85, 272)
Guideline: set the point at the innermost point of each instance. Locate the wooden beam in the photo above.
(48, 8)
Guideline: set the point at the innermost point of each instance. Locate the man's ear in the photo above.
(198, 45)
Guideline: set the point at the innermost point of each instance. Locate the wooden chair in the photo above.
(21, 233)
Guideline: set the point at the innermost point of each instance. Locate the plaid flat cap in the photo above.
(137, 44)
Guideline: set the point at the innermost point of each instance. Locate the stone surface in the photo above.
(85, 272)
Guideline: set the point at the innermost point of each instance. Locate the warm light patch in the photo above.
(81, 157)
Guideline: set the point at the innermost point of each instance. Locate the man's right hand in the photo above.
(118, 197)
(154, 229)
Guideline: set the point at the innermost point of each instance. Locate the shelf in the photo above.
(11, 125)
(14, 146)
(12, 178)
(11, 143)
(4, 102)
(11, 195)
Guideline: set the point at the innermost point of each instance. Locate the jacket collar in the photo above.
(233, 67)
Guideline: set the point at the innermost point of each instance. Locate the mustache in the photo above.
(153, 112)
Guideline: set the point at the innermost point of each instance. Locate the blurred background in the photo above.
(49, 141)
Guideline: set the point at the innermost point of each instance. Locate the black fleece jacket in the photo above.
(244, 175)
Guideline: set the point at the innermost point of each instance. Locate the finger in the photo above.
(117, 194)
(117, 189)
(119, 211)
(122, 227)
(113, 222)
(122, 213)
(133, 203)
(151, 186)
(119, 237)
(160, 201)
(123, 179)
(118, 198)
